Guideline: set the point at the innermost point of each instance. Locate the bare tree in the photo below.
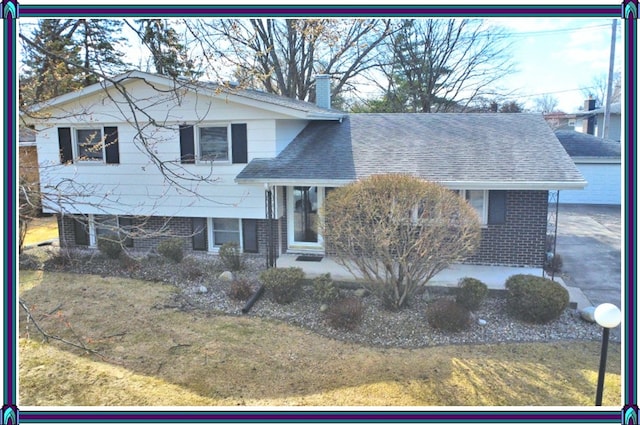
(597, 89)
(546, 103)
(397, 232)
(283, 56)
(435, 65)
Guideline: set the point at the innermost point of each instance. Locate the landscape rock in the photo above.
(323, 308)
(202, 289)
(360, 293)
(587, 314)
(482, 322)
(228, 276)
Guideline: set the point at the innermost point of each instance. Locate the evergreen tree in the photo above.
(168, 54)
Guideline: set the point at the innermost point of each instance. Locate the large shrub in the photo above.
(231, 256)
(109, 247)
(172, 248)
(407, 227)
(471, 292)
(535, 299)
(283, 284)
(447, 315)
(345, 313)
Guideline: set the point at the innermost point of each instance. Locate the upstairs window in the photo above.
(213, 143)
(89, 145)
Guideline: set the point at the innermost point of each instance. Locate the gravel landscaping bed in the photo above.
(201, 288)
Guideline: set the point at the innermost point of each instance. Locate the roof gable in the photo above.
(254, 98)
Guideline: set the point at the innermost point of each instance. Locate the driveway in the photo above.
(589, 241)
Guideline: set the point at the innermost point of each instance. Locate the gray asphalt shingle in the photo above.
(438, 147)
(586, 145)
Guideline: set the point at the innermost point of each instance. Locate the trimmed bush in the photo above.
(172, 249)
(109, 247)
(284, 284)
(535, 299)
(447, 315)
(231, 256)
(324, 289)
(240, 289)
(471, 292)
(345, 313)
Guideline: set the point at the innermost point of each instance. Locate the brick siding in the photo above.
(521, 240)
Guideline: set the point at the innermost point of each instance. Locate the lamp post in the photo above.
(608, 316)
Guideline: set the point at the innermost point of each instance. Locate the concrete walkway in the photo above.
(493, 276)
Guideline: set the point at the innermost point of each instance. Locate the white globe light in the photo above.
(607, 315)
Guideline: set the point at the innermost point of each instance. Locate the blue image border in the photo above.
(11, 11)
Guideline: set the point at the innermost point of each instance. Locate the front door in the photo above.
(304, 204)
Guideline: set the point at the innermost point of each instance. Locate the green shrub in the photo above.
(553, 264)
(345, 313)
(471, 292)
(109, 247)
(447, 315)
(231, 256)
(172, 249)
(240, 289)
(283, 284)
(324, 289)
(535, 299)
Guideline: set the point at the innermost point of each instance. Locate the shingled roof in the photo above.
(582, 145)
(489, 151)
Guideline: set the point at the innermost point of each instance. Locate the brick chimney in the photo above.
(323, 91)
(589, 124)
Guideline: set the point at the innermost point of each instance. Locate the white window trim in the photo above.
(76, 150)
(484, 220)
(93, 235)
(197, 144)
(211, 246)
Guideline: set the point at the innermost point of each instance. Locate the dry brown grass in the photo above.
(41, 229)
(157, 354)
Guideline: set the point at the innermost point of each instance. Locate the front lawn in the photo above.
(152, 349)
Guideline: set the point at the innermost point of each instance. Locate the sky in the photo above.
(559, 56)
(555, 56)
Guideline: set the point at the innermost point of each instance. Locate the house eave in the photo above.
(595, 160)
(470, 185)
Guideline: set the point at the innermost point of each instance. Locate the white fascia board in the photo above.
(293, 182)
(595, 160)
(525, 185)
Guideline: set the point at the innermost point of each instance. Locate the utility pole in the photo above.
(607, 106)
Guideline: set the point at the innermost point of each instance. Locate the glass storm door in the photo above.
(305, 214)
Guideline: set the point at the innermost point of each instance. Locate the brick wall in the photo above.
(521, 240)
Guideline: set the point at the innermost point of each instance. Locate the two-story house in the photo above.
(216, 164)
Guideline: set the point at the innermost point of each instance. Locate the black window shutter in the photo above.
(64, 141)
(497, 207)
(111, 145)
(187, 145)
(81, 232)
(199, 231)
(250, 235)
(239, 143)
(126, 226)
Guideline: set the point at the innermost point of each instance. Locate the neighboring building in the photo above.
(560, 120)
(591, 121)
(599, 162)
(260, 146)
